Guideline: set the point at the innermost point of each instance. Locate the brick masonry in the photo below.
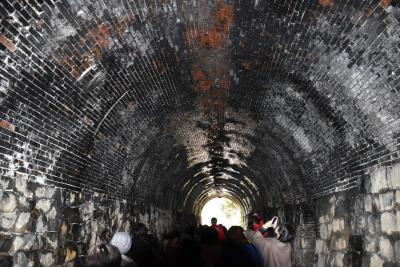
(168, 101)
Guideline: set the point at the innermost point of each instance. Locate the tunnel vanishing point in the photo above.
(114, 112)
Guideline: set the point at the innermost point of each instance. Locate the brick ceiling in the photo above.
(175, 102)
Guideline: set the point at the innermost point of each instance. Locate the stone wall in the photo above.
(362, 229)
(43, 226)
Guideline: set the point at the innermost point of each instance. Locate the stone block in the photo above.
(376, 261)
(7, 220)
(22, 223)
(22, 186)
(86, 210)
(320, 246)
(393, 176)
(47, 259)
(20, 260)
(323, 219)
(388, 222)
(358, 224)
(378, 180)
(386, 249)
(25, 242)
(398, 199)
(44, 205)
(339, 242)
(339, 260)
(45, 192)
(322, 260)
(332, 211)
(342, 243)
(368, 203)
(329, 229)
(398, 221)
(386, 201)
(374, 224)
(397, 250)
(338, 225)
(8, 202)
(342, 207)
(323, 231)
(23, 203)
(40, 224)
(330, 261)
(370, 244)
(52, 214)
(359, 205)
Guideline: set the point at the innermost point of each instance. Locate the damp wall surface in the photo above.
(45, 226)
(359, 227)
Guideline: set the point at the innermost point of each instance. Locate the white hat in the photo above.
(123, 241)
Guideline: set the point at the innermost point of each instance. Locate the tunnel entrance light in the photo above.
(225, 210)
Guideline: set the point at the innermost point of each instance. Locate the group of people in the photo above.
(136, 249)
(261, 245)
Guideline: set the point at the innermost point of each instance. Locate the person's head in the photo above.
(208, 236)
(123, 241)
(284, 233)
(252, 219)
(236, 233)
(213, 220)
(104, 255)
(140, 228)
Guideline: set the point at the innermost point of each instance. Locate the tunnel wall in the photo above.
(40, 223)
(358, 227)
(362, 229)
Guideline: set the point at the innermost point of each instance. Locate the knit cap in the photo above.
(123, 241)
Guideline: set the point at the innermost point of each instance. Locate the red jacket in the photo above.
(220, 231)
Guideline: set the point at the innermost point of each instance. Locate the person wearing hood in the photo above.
(123, 241)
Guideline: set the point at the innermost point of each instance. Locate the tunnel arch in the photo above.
(160, 105)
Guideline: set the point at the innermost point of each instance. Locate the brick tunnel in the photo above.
(117, 112)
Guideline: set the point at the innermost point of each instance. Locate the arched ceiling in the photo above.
(175, 101)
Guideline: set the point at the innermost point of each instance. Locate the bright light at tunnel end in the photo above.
(226, 211)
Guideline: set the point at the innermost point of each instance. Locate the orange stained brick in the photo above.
(7, 43)
(7, 125)
(224, 17)
(215, 39)
(327, 3)
(224, 84)
(198, 74)
(385, 3)
(370, 11)
(204, 86)
(102, 37)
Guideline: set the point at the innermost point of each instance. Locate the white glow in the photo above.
(227, 212)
